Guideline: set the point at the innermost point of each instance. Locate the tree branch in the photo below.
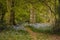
(48, 7)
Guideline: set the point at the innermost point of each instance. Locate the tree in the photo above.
(57, 22)
(32, 14)
(10, 8)
(12, 14)
(2, 11)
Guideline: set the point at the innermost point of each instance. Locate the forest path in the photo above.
(32, 34)
(42, 36)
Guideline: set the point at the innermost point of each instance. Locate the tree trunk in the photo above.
(32, 15)
(2, 17)
(8, 2)
(58, 19)
(10, 6)
(3, 11)
(12, 14)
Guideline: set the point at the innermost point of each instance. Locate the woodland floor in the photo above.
(42, 36)
(28, 35)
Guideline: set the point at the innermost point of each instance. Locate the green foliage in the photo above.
(40, 30)
(22, 9)
(44, 10)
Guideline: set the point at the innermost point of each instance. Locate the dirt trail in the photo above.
(34, 35)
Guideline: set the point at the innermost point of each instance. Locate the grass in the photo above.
(46, 31)
(24, 35)
(14, 35)
(21, 35)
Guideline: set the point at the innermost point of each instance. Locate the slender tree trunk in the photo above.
(57, 20)
(12, 14)
(59, 14)
(32, 15)
(2, 17)
(8, 2)
(3, 11)
(12, 17)
(10, 6)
